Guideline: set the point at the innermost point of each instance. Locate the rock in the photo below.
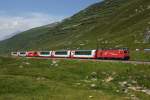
(40, 78)
(87, 81)
(123, 84)
(56, 65)
(20, 66)
(148, 22)
(136, 10)
(87, 77)
(54, 62)
(132, 88)
(128, 85)
(134, 82)
(78, 84)
(140, 89)
(94, 79)
(148, 7)
(27, 63)
(82, 44)
(93, 86)
(135, 64)
(117, 91)
(94, 74)
(104, 73)
(109, 79)
(146, 91)
(125, 90)
(103, 80)
(90, 96)
(133, 97)
(137, 49)
(113, 73)
(135, 88)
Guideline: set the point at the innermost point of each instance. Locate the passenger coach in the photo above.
(22, 53)
(83, 54)
(61, 54)
(44, 53)
(14, 54)
(32, 54)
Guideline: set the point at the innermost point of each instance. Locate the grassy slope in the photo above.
(28, 79)
(112, 23)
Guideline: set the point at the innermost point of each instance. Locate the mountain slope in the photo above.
(111, 23)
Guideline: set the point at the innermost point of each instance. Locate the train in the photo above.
(122, 54)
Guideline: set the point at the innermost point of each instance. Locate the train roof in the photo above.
(113, 49)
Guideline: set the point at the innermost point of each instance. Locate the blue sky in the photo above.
(21, 15)
(55, 7)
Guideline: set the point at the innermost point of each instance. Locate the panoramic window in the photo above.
(14, 52)
(61, 53)
(44, 53)
(22, 53)
(83, 52)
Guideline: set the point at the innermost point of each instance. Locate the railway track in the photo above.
(97, 60)
(129, 62)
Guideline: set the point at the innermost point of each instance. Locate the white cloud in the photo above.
(12, 24)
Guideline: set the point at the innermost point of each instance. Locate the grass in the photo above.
(28, 79)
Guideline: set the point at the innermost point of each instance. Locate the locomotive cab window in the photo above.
(125, 51)
(121, 52)
(83, 52)
(61, 53)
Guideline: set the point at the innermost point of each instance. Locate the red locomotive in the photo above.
(113, 54)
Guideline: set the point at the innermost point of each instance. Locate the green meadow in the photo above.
(44, 79)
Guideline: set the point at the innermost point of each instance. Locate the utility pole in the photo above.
(147, 36)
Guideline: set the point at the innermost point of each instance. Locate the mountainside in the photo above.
(111, 23)
(9, 36)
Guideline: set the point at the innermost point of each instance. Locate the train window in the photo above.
(22, 53)
(14, 53)
(83, 52)
(125, 51)
(61, 53)
(121, 52)
(35, 53)
(44, 53)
